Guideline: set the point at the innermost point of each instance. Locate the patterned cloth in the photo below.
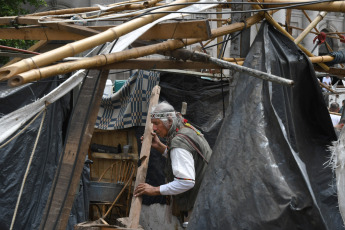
(128, 107)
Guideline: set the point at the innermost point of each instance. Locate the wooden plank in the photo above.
(72, 28)
(134, 215)
(63, 31)
(119, 156)
(16, 20)
(38, 33)
(339, 72)
(67, 177)
(178, 30)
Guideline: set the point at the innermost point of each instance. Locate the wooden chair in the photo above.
(121, 172)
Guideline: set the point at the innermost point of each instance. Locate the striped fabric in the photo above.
(128, 107)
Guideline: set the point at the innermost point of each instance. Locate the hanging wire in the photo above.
(231, 38)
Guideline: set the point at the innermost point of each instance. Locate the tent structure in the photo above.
(268, 168)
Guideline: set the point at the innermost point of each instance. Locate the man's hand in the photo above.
(156, 143)
(146, 189)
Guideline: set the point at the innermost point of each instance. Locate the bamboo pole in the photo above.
(101, 60)
(228, 65)
(317, 31)
(339, 114)
(278, 27)
(336, 6)
(315, 59)
(313, 24)
(326, 87)
(318, 59)
(233, 59)
(328, 47)
(77, 47)
(96, 8)
(134, 214)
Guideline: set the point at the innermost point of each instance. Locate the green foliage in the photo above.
(15, 8)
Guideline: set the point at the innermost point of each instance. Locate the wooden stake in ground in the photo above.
(134, 213)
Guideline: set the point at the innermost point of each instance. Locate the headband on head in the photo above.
(163, 115)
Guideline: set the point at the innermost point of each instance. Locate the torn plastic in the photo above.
(268, 168)
(15, 155)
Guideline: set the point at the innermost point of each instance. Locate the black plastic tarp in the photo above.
(206, 103)
(14, 157)
(268, 166)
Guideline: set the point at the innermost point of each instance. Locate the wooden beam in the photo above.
(339, 72)
(38, 33)
(15, 54)
(160, 64)
(63, 31)
(72, 28)
(134, 214)
(67, 177)
(192, 29)
(19, 20)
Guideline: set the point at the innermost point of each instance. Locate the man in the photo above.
(334, 107)
(188, 154)
(327, 81)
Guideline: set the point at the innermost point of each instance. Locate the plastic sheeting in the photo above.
(14, 157)
(268, 167)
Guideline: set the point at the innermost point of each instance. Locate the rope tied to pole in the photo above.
(27, 170)
(339, 57)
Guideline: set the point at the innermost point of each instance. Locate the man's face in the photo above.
(159, 128)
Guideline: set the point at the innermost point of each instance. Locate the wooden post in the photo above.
(134, 214)
(67, 176)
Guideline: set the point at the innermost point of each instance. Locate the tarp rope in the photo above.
(27, 170)
(339, 57)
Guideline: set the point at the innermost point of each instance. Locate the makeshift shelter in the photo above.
(270, 154)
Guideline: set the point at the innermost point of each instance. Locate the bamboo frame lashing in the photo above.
(270, 19)
(74, 48)
(101, 60)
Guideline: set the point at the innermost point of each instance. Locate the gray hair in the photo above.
(167, 113)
